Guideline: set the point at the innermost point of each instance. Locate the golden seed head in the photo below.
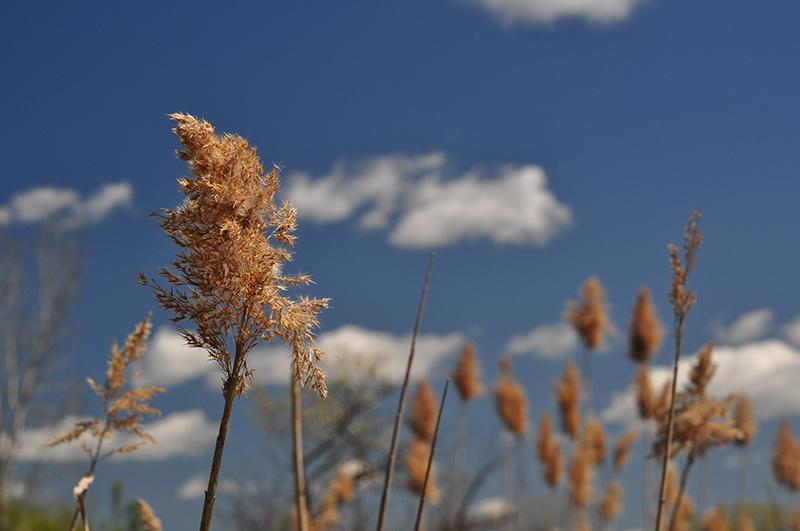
(622, 449)
(645, 396)
(148, 517)
(611, 504)
(467, 375)
(568, 395)
(511, 401)
(423, 412)
(416, 462)
(646, 329)
(589, 316)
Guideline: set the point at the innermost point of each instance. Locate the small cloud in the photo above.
(747, 327)
(179, 434)
(65, 206)
(410, 197)
(195, 487)
(549, 341)
(766, 371)
(170, 362)
(490, 511)
(791, 331)
(547, 11)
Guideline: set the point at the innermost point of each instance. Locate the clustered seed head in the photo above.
(595, 441)
(467, 375)
(589, 316)
(416, 462)
(684, 510)
(340, 492)
(645, 396)
(227, 278)
(680, 297)
(646, 329)
(716, 519)
(786, 458)
(622, 449)
(511, 401)
(423, 412)
(581, 475)
(568, 395)
(743, 416)
(147, 516)
(123, 408)
(702, 371)
(611, 503)
(548, 451)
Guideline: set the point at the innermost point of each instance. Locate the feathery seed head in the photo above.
(423, 412)
(680, 297)
(596, 441)
(581, 475)
(589, 316)
(148, 517)
(416, 462)
(646, 329)
(467, 375)
(786, 458)
(611, 504)
(568, 394)
(622, 449)
(745, 420)
(702, 371)
(510, 401)
(645, 396)
(716, 519)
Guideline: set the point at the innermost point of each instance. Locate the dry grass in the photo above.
(467, 374)
(589, 315)
(150, 521)
(622, 449)
(510, 401)
(646, 329)
(568, 396)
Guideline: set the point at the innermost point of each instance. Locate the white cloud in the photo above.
(179, 434)
(409, 196)
(489, 511)
(766, 371)
(747, 327)
(195, 487)
(791, 331)
(170, 362)
(546, 11)
(65, 205)
(548, 341)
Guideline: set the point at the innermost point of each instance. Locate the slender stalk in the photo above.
(297, 455)
(684, 478)
(430, 458)
(229, 393)
(473, 488)
(646, 490)
(458, 461)
(387, 483)
(522, 488)
(587, 384)
(506, 473)
(662, 496)
(742, 475)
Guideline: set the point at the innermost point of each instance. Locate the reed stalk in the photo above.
(430, 458)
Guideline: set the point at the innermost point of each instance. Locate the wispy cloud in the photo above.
(791, 331)
(548, 341)
(767, 371)
(170, 362)
(410, 197)
(747, 327)
(64, 205)
(547, 11)
(490, 511)
(195, 487)
(179, 434)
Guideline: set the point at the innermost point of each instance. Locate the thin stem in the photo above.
(297, 455)
(506, 473)
(387, 483)
(522, 506)
(430, 458)
(742, 475)
(679, 500)
(662, 497)
(587, 384)
(474, 487)
(229, 392)
(458, 461)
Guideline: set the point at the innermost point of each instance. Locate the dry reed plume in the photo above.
(423, 412)
(123, 409)
(702, 372)
(228, 279)
(580, 476)
(645, 396)
(716, 519)
(622, 449)
(786, 458)
(595, 441)
(646, 330)
(467, 374)
(744, 420)
(611, 503)
(682, 299)
(511, 401)
(589, 315)
(568, 395)
(340, 492)
(150, 521)
(744, 522)
(548, 451)
(416, 462)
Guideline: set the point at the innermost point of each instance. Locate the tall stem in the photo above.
(681, 490)
(587, 384)
(522, 490)
(458, 461)
(297, 455)
(229, 392)
(387, 482)
(662, 496)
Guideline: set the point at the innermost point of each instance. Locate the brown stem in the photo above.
(522, 489)
(430, 458)
(586, 375)
(297, 455)
(229, 392)
(387, 483)
(662, 496)
(682, 489)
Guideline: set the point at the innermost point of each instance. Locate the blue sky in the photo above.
(635, 120)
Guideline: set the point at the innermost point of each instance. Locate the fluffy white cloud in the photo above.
(179, 434)
(791, 331)
(170, 362)
(489, 511)
(747, 327)
(549, 341)
(767, 371)
(195, 487)
(546, 11)
(409, 196)
(65, 205)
